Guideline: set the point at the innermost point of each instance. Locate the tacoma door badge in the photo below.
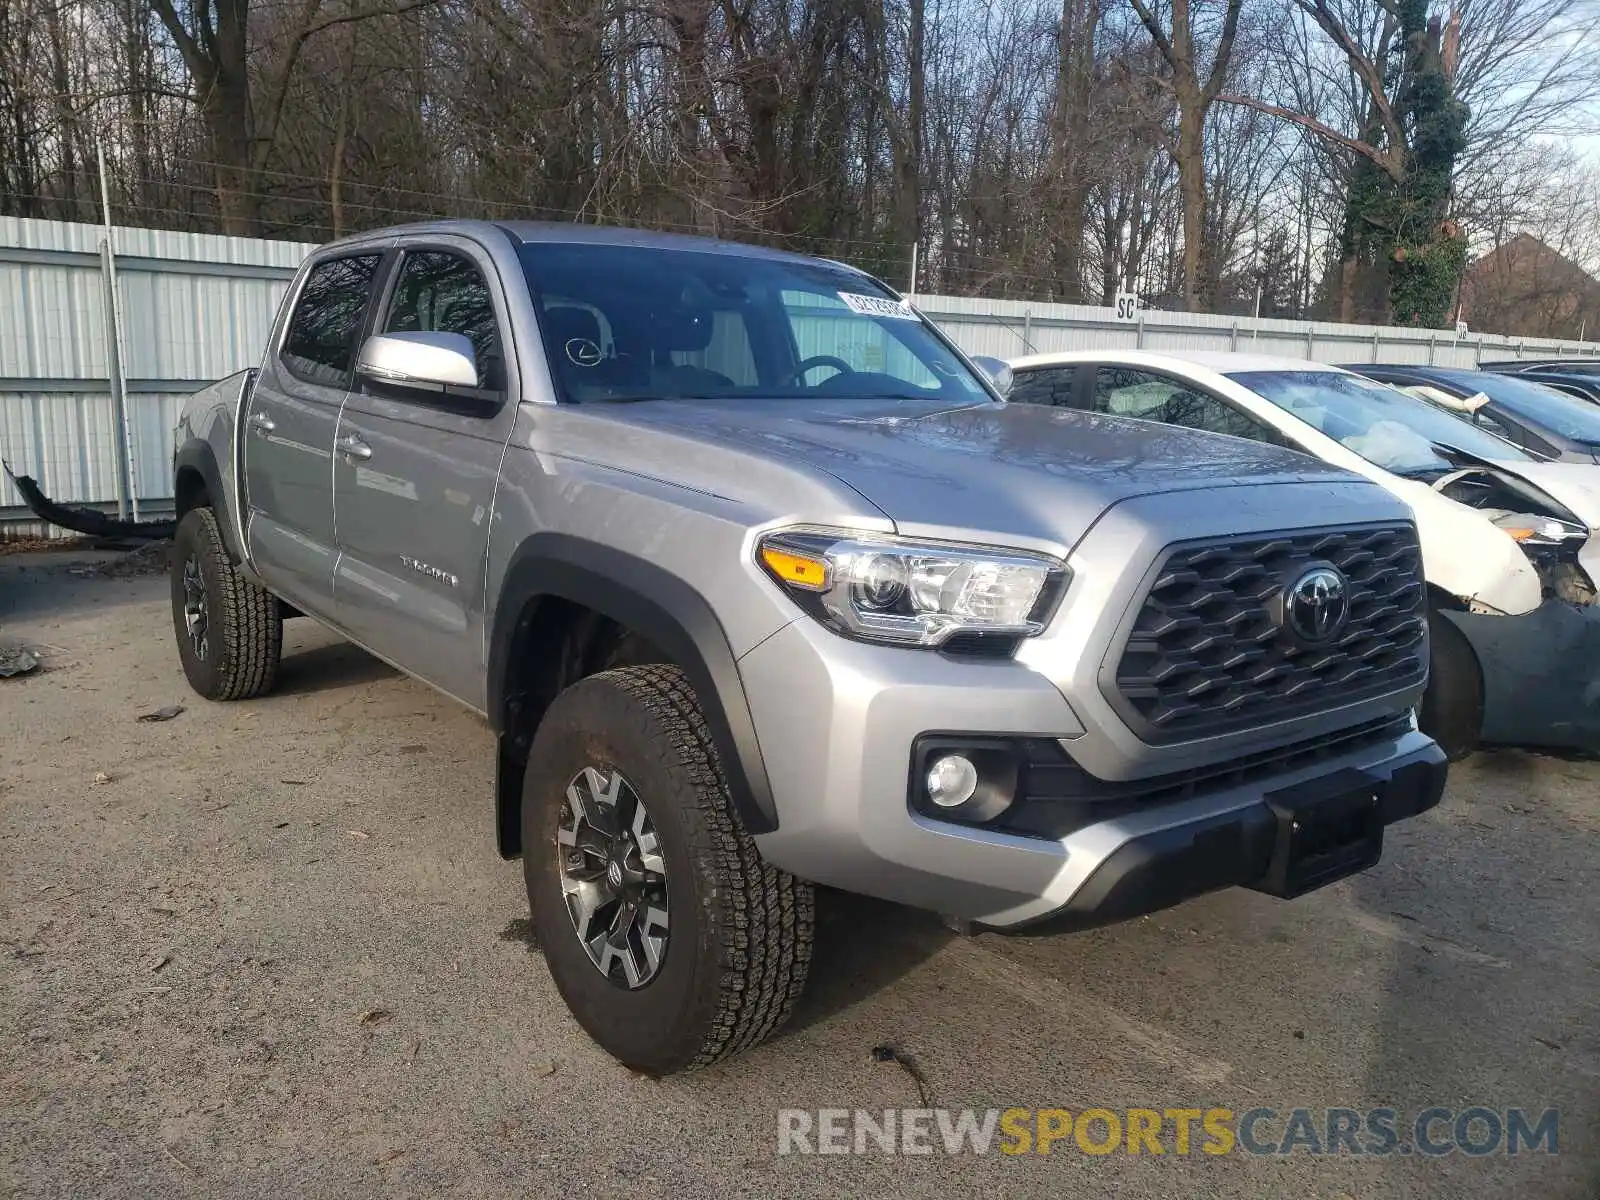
(422, 568)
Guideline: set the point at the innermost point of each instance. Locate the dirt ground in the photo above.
(267, 949)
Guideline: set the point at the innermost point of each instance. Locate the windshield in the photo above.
(648, 323)
(1577, 420)
(1389, 429)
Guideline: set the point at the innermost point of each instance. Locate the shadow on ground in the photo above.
(327, 668)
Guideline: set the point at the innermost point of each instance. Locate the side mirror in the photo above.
(431, 361)
(996, 369)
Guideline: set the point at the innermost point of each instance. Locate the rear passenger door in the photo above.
(288, 428)
(414, 476)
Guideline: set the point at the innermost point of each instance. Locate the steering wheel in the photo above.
(816, 360)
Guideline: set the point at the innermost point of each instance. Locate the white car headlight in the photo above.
(912, 593)
(1535, 530)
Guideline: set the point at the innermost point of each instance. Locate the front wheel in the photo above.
(669, 938)
(1452, 707)
(230, 634)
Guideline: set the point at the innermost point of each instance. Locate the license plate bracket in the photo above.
(1325, 830)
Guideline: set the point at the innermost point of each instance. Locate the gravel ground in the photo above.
(267, 949)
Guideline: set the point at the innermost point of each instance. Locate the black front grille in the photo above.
(1209, 652)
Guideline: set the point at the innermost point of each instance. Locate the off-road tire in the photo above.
(1452, 707)
(739, 944)
(244, 626)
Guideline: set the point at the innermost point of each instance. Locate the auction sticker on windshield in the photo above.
(878, 306)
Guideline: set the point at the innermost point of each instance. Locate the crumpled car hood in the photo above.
(1575, 485)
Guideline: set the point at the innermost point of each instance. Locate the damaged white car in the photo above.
(1509, 541)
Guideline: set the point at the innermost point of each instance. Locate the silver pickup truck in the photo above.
(761, 586)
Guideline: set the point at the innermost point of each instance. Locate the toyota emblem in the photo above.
(1317, 605)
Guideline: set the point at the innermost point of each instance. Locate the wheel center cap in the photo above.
(614, 873)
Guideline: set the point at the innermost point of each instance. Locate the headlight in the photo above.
(912, 593)
(1532, 530)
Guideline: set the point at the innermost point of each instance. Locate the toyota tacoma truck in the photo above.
(761, 586)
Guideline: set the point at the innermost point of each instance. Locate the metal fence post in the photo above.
(1433, 348)
(1139, 334)
(1311, 342)
(127, 493)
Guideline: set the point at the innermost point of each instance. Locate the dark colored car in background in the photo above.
(1575, 377)
(1535, 416)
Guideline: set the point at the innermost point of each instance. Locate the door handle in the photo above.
(262, 422)
(353, 447)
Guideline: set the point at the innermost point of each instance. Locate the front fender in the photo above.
(659, 606)
(1467, 556)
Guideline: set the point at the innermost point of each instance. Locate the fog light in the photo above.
(951, 781)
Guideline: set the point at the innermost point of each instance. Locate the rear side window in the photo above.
(1048, 385)
(321, 343)
(440, 292)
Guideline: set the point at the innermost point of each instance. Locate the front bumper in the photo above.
(1240, 847)
(837, 720)
(1541, 674)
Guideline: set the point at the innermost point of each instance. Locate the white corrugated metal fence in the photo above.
(194, 307)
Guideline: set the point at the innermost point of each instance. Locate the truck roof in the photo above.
(526, 232)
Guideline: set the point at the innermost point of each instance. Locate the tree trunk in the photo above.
(66, 120)
(1080, 19)
(908, 185)
(1192, 192)
(341, 131)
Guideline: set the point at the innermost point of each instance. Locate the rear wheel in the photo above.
(1452, 707)
(230, 635)
(668, 937)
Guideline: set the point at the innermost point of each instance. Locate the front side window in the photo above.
(1388, 428)
(441, 292)
(1123, 392)
(625, 322)
(320, 345)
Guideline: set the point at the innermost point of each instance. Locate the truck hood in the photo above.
(1029, 471)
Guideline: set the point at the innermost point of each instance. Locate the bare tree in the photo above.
(1195, 86)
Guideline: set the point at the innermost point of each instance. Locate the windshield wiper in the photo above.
(641, 397)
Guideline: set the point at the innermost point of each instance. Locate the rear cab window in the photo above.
(320, 344)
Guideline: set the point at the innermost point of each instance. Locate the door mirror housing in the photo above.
(996, 369)
(428, 361)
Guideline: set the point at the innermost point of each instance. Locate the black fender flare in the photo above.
(657, 605)
(196, 454)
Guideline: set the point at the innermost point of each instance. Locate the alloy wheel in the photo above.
(613, 876)
(195, 618)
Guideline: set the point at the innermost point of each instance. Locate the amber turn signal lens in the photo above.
(796, 569)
